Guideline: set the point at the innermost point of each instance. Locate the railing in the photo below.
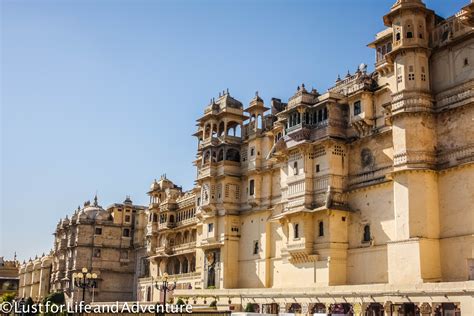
(448, 30)
(192, 220)
(369, 177)
(185, 246)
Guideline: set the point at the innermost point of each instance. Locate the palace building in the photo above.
(359, 199)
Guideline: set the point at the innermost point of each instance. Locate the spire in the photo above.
(95, 200)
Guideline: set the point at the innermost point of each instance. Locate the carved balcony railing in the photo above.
(370, 177)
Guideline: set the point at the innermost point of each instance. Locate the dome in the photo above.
(93, 211)
(155, 186)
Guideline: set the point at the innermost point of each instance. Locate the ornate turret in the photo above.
(256, 109)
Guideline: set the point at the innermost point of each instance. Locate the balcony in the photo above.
(210, 141)
(188, 221)
(207, 170)
(301, 251)
(166, 225)
(184, 248)
(164, 251)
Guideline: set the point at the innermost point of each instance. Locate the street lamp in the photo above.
(165, 286)
(84, 280)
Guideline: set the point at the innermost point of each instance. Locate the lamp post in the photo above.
(165, 287)
(84, 280)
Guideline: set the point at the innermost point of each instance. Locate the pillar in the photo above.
(387, 307)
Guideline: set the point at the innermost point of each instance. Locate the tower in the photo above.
(414, 255)
(219, 176)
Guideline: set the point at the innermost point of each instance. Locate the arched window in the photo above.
(232, 155)
(255, 247)
(421, 31)
(295, 168)
(207, 157)
(367, 236)
(252, 187)
(321, 229)
(221, 130)
(207, 131)
(409, 29)
(171, 219)
(192, 265)
(184, 268)
(397, 37)
(220, 156)
(296, 231)
(259, 122)
(176, 269)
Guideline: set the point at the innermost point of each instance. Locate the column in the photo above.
(387, 307)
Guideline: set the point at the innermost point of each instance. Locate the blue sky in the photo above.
(103, 95)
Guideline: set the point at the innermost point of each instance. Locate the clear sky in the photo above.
(103, 95)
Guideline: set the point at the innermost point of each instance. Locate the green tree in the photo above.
(7, 297)
(249, 308)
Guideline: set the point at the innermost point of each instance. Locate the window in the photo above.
(252, 187)
(155, 218)
(466, 62)
(321, 229)
(325, 114)
(295, 168)
(126, 232)
(411, 75)
(296, 231)
(255, 247)
(317, 168)
(210, 227)
(98, 230)
(423, 74)
(357, 108)
(389, 47)
(252, 152)
(367, 236)
(97, 253)
(127, 218)
(397, 37)
(409, 34)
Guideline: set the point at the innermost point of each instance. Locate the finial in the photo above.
(298, 88)
(95, 200)
(227, 90)
(14, 256)
(338, 77)
(223, 92)
(219, 94)
(302, 85)
(42, 255)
